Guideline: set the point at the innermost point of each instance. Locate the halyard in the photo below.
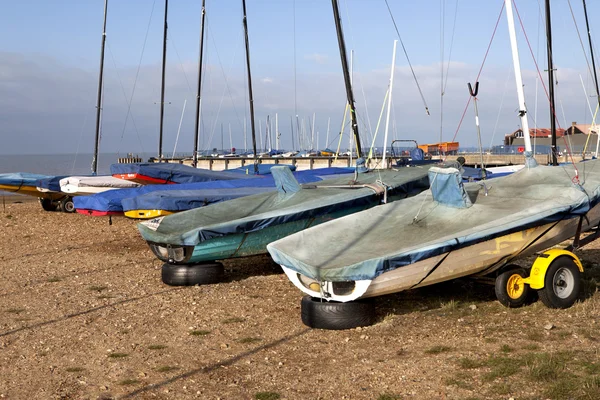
(84, 315)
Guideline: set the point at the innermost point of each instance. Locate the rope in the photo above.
(478, 74)
(408, 59)
(579, 37)
(127, 101)
(137, 73)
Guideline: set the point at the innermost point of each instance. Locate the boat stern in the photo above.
(343, 291)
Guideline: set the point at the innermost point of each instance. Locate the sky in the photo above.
(50, 57)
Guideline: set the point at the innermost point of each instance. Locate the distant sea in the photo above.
(57, 164)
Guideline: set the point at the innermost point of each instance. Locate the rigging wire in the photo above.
(408, 59)
(508, 76)
(480, 70)
(226, 74)
(137, 73)
(442, 28)
(295, 82)
(127, 101)
(444, 75)
(579, 37)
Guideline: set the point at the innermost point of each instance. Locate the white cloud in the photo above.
(48, 107)
(317, 58)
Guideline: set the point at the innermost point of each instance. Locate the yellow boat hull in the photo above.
(146, 214)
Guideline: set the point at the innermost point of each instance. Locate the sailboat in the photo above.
(150, 201)
(189, 242)
(27, 184)
(453, 230)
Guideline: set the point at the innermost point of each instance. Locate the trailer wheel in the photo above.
(321, 314)
(561, 284)
(48, 204)
(192, 274)
(510, 289)
(67, 205)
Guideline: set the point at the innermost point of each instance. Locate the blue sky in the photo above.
(50, 55)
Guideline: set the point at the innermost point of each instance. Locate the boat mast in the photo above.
(162, 85)
(349, 94)
(245, 21)
(518, 78)
(587, 24)
(198, 99)
(551, 83)
(389, 105)
(99, 100)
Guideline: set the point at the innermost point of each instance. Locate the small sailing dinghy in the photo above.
(161, 173)
(244, 226)
(82, 185)
(116, 202)
(451, 231)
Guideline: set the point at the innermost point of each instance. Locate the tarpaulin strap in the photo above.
(431, 271)
(240, 246)
(575, 244)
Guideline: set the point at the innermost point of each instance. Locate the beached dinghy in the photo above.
(450, 231)
(163, 173)
(245, 226)
(112, 202)
(25, 183)
(165, 202)
(82, 185)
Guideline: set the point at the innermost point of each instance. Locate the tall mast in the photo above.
(162, 85)
(349, 94)
(551, 83)
(245, 21)
(389, 105)
(99, 100)
(518, 78)
(198, 99)
(587, 24)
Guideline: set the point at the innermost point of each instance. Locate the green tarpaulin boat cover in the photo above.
(366, 244)
(291, 202)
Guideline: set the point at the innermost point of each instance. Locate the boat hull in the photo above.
(143, 179)
(255, 243)
(146, 214)
(96, 213)
(31, 191)
(478, 259)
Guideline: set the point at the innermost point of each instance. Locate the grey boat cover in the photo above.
(291, 202)
(97, 181)
(366, 244)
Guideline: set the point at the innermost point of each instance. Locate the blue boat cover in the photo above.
(19, 179)
(179, 200)
(177, 173)
(51, 183)
(112, 200)
(263, 169)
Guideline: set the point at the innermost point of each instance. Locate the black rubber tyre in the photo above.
(509, 287)
(48, 204)
(561, 284)
(67, 205)
(322, 314)
(192, 274)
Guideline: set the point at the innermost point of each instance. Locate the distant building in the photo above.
(576, 137)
